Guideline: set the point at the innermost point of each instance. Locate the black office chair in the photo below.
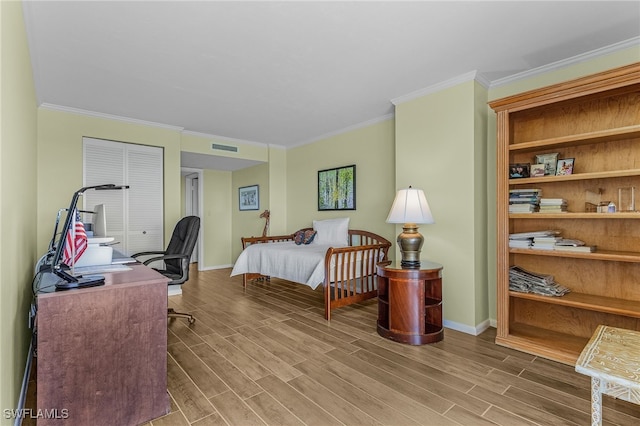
(177, 256)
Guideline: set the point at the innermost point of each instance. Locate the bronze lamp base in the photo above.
(410, 242)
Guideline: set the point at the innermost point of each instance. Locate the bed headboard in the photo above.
(357, 237)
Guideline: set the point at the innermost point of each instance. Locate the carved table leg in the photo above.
(596, 402)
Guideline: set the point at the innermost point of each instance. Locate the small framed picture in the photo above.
(550, 162)
(564, 167)
(249, 197)
(537, 170)
(519, 170)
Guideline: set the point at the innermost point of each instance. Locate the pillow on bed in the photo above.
(298, 237)
(304, 237)
(309, 235)
(334, 232)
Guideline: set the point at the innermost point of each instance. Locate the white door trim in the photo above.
(200, 208)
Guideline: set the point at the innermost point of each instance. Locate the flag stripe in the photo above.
(76, 241)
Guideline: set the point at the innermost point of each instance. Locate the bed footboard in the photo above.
(350, 272)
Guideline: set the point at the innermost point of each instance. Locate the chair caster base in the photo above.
(172, 313)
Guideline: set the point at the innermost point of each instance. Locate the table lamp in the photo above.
(410, 208)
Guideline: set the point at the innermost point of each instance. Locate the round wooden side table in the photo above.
(410, 303)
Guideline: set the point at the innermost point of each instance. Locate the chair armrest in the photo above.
(166, 257)
(146, 253)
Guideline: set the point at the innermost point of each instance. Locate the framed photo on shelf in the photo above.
(550, 162)
(337, 188)
(249, 197)
(537, 170)
(519, 170)
(564, 167)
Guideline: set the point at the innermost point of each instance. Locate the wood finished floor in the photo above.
(267, 356)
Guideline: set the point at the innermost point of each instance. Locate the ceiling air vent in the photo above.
(224, 147)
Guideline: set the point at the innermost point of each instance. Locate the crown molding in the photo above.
(345, 130)
(554, 66)
(79, 111)
(472, 75)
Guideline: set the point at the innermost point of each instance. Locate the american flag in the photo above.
(75, 242)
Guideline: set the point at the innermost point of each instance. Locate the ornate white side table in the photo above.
(612, 360)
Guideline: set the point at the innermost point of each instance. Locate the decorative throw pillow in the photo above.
(309, 235)
(298, 237)
(333, 232)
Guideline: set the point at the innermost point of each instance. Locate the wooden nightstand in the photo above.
(410, 303)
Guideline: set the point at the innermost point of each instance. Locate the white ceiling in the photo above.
(288, 73)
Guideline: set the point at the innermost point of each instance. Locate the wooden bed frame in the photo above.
(345, 289)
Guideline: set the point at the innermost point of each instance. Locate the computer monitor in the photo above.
(99, 221)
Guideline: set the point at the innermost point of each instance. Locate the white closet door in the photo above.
(135, 216)
(145, 212)
(103, 164)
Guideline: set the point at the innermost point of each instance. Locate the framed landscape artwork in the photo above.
(337, 188)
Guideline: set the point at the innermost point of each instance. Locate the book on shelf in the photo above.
(542, 246)
(523, 200)
(522, 208)
(546, 242)
(533, 234)
(577, 249)
(569, 242)
(520, 190)
(548, 209)
(525, 243)
(553, 201)
(547, 239)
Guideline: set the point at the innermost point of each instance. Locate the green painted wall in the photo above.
(371, 149)
(18, 203)
(440, 148)
(278, 192)
(60, 155)
(217, 218)
(247, 223)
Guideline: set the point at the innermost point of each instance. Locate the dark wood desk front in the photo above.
(102, 351)
(410, 303)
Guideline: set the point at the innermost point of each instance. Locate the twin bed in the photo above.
(342, 260)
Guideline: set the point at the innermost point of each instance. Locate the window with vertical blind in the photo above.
(135, 216)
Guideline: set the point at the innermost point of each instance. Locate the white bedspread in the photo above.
(299, 263)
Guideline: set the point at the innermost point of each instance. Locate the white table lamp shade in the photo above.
(410, 206)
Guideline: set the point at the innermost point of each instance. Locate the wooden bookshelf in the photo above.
(596, 121)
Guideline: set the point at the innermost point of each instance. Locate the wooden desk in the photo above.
(410, 303)
(612, 360)
(102, 351)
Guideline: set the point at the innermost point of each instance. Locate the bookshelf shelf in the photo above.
(608, 135)
(577, 176)
(606, 255)
(576, 215)
(588, 302)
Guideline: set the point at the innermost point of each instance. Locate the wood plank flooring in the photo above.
(267, 356)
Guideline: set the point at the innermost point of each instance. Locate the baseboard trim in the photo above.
(211, 268)
(25, 384)
(474, 331)
(174, 290)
